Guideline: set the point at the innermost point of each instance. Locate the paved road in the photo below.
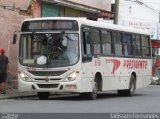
(145, 100)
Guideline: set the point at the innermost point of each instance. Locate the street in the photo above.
(145, 100)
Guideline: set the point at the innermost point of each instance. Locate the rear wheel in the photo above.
(159, 81)
(43, 95)
(132, 87)
(131, 90)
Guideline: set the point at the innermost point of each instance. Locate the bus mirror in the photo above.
(86, 58)
(14, 38)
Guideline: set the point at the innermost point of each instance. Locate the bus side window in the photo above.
(86, 45)
(106, 42)
(96, 41)
(117, 36)
(136, 42)
(145, 46)
(127, 47)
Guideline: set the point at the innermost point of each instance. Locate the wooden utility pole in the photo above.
(116, 12)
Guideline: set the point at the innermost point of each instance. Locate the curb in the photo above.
(15, 97)
(27, 96)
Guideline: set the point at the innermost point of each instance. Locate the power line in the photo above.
(146, 5)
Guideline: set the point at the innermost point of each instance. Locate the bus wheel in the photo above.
(159, 81)
(131, 90)
(43, 95)
(132, 86)
(93, 95)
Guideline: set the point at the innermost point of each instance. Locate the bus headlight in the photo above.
(24, 77)
(72, 76)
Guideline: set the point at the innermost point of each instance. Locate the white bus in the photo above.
(76, 55)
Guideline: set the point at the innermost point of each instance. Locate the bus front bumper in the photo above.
(55, 87)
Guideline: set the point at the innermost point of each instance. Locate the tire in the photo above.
(132, 86)
(131, 90)
(43, 95)
(121, 92)
(159, 81)
(84, 95)
(91, 95)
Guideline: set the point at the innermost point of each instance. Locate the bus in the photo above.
(76, 55)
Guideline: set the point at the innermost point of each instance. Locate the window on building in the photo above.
(113, 9)
(50, 10)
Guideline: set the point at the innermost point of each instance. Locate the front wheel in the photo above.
(91, 95)
(43, 95)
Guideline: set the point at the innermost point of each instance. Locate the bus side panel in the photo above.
(121, 73)
(121, 82)
(147, 72)
(107, 73)
(146, 68)
(126, 68)
(108, 83)
(86, 84)
(139, 81)
(87, 77)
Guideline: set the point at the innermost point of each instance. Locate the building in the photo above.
(74, 8)
(13, 12)
(10, 21)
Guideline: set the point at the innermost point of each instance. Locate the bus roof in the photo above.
(99, 24)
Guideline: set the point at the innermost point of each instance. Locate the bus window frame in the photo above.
(122, 43)
(98, 54)
(86, 57)
(109, 31)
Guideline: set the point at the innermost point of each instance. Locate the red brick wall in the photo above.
(37, 12)
(9, 22)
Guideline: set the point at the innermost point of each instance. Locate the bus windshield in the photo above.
(49, 49)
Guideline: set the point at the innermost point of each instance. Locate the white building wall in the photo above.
(133, 10)
(142, 16)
